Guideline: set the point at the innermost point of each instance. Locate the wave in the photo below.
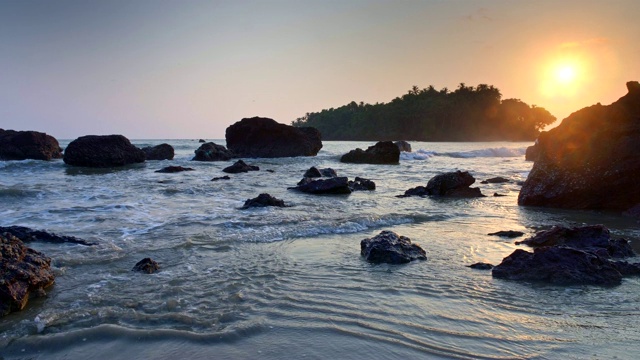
(501, 152)
(417, 155)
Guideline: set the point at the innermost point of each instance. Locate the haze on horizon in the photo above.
(155, 69)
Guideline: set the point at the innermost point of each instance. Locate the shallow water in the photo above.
(289, 282)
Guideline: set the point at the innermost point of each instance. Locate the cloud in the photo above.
(589, 43)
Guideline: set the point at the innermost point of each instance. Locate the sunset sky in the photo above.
(188, 69)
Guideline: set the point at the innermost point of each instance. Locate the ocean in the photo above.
(289, 283)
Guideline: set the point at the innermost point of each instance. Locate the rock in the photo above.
(336, 185)
(481, 266)
(265, 138)
(403, 146)
(594, 238)
(591, 160)
(226, 177)
(201, 141)
(362, 184)
(452, 184)
(174, 169)
(27, 234)
(416, 191)
(559, 266)
(389, 247)
(24, 273)
(159, 152)
(212, 152)
(22, 145)
(531, 154)
(498, 195)
(102, 151)
(146, 265)
(314, 172)
(263, 200)
(508, 233)
(383, 152)
(240, 167)
(495, 180)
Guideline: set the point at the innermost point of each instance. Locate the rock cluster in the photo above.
(383, 152)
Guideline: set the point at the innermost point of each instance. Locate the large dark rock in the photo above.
(451, 184)
(27, 234)
(159, 152)
(335, 185)
(359, 184)
(383, 152)
(213, 152)
(21, 145)
(266, 138)
(263, 200)
(240, 167)
(146, 265)
(403, 145)
(102, 151)
(591, 160)
(389, 247)
(24, 273)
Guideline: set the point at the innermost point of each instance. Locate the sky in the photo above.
(157, 69)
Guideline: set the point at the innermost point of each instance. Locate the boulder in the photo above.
(389, 247)
(591, 160)
(22, 145)
(24, 273)
(383, 152)
(226, 177)
(507, 233)
(451, 184)
(102, 151)
(263, 200)
(201, 141)
(495, 180)
(27, 235)
(481, 266)
(159, 152)
(146, 265)
(314, 172)
(335, 185)
(266, 138)
(531, 154)
(362, 184)
(240, 167)
(403, 146)
(174, 169)
(212, 152)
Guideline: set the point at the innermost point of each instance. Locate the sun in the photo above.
(565, 74)
(562, 78)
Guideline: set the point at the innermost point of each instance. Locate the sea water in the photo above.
(289, 283)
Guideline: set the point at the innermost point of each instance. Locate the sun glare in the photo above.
(565, 74)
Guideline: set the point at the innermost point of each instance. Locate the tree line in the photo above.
(466, 114)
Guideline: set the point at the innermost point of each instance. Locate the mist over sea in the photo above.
(289, 283)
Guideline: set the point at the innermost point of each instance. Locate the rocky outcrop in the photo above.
(383, 152)
(146, 265)
(334, 185)
(403, 146)
(22, 145)
(173, 169)
(24, 273)
(263, 200)
(213, 152)
(240, 167)
(452, 184)
(359, 184)
(266, 138)
(102, 151)
(159, 152)
(389, 247)
(591, 160)
(27, 235)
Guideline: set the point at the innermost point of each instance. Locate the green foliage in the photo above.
(466, 114)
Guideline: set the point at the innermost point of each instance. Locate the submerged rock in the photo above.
(146, 265)
(212, 152)
(159, 152)
(263, 200)
(495, 180)
(507, 233)
(27, 234)
(266, 138)
(174, 169)
(389, 247)
(336, 185)
(226, 177)
(481, 266)
(240, 167)
(24, 273)
(102, 151)
(22, 145)
(383, 152)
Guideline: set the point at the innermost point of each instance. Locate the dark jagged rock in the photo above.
(22, 145)
(531, 153)
(591, 160)
(507, 233)
(403, 146)
(226, 177)
(263, 200)
(498, 195)
(102, 151)
(174, 169)
(559, 266)
(314, 172)
(27, 234)
(594, 238)
(389, 247)
(362, 184)
(266, 138)
(159, 152)
(213, 152)
(452, 184)
(481, 266)
(24, 273)
(495, 180)
(383, 152)
(240, 167)
(335, 185)
(146, 265)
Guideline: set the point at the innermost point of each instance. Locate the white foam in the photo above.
(417, 155)
(489, 152)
